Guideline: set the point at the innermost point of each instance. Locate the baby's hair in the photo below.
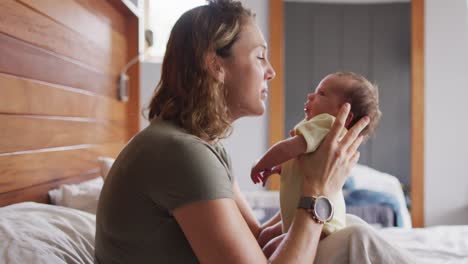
(364, 99)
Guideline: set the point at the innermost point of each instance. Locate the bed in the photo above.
(64, 233)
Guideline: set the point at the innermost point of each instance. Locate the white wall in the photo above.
(446, 120)
(250, 136)
(150, 73)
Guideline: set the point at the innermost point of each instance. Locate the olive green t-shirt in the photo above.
(162, 168)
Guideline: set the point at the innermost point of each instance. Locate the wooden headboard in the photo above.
(59, 66)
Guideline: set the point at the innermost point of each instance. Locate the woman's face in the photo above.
(247, 72)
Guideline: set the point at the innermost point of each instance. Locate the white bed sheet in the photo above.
(440, 244)
(40, 233)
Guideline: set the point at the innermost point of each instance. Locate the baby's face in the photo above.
(327, 98)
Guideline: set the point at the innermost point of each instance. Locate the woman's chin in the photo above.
(257, 112)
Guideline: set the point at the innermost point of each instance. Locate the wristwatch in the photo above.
(320, 208)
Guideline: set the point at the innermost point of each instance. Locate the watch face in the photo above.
(323, 209)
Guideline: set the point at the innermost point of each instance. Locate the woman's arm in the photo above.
(272, 221)
(263, 233)
(301, 242)
(218, 233)
(246, 211)
(271, 229)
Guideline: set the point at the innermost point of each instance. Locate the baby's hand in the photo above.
(263, 175)
(267, 173)
(292, 133)
(256, 175)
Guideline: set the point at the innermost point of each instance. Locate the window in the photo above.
(160, 17)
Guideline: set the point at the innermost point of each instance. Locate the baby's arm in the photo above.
(278, 154)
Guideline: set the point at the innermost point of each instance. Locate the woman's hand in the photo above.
(326, 169)
(268, 233)
(272, 245)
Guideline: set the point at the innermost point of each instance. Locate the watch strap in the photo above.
(308, 203)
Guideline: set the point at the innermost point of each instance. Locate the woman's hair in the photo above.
(187, 94)
(364, 99)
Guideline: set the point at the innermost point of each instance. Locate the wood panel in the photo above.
(75, 15)
(106, 13)
(276, 104)
(417, 112)
(77, 18)
(58, 83)
(25, 170)
(24, 23)
(39, 193)
(37, 167)
(26, 96)
(126, 7)
(41, 132)
(22, 59)
(111, 149)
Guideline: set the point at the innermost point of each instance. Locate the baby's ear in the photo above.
(214, 65)
(349, 119)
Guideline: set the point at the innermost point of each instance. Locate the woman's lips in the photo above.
(264, 92)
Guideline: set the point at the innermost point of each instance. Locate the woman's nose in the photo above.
(311, 96)
(270, 72)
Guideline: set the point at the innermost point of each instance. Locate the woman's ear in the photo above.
(349, 119)
(214, 65)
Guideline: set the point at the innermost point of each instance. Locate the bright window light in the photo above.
(162, 15)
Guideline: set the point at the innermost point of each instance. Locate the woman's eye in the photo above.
(321, 93)
(260, 57)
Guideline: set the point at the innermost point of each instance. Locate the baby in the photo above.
(320, 110)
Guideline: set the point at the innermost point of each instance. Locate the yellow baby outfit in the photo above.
(314, 131)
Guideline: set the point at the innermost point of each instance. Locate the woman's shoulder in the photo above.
(166, 137)
(165, 132)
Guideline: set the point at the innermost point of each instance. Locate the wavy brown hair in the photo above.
(187, 94)
(364, 99)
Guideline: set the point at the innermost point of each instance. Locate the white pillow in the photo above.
(44, 233)
(106, 164)
(374, 180)
(83, 196)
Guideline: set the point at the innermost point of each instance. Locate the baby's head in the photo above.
(338, 88)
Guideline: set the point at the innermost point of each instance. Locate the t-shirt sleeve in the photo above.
(314, 130)
(191, 171)
(226, 158)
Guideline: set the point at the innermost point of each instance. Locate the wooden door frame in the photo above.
(277, 106)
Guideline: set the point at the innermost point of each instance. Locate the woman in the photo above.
(170, 196)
